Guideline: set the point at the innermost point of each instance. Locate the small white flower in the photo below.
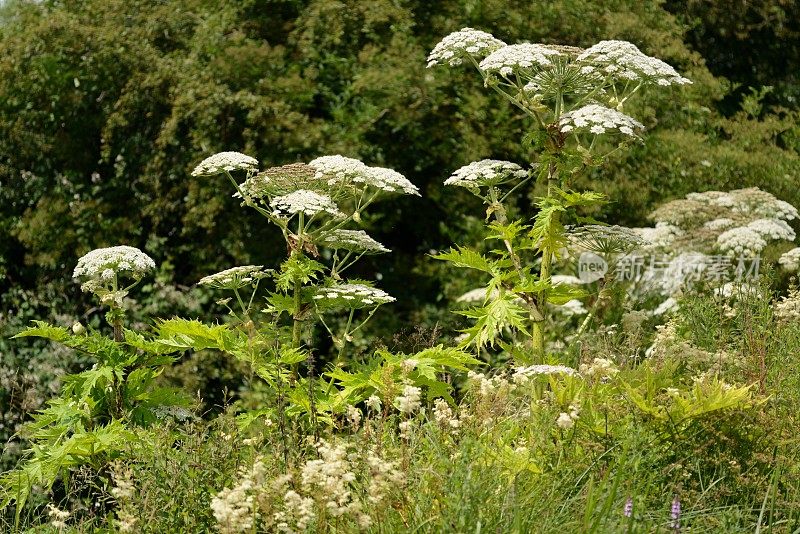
(599, 119)
(373, 403)
(741, 241)
(626, 62)
(352, 240)
(790, 261)
(564, 421)
(307, 202)
(774, 229)
(513, 58)
(225, 161)
(522, 375)
(410, 401)
(466, 42)
(353, 415)
(486, 172)
(351, 296)
(341, 170)
(99, 267)
(233, 278)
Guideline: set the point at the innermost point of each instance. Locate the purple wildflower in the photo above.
(675, 514)
(628, 507)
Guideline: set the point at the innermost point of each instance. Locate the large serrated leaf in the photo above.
(470, 259)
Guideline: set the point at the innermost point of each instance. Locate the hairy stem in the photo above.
(545, 272)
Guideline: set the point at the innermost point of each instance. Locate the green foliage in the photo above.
(491, 320)
(91, 422)
(385, 374)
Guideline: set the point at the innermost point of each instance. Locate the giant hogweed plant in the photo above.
(275, 312)
(100, 409)
(575, 99)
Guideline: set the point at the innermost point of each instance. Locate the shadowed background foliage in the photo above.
(106, 106)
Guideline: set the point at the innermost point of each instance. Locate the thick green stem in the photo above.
(545, 272)
(296, 326)
(118, 335)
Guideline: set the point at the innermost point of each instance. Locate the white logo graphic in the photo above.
(591, 267)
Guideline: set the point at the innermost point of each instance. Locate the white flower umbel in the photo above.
(723, 223)
(783, 210)
(790, 261)
(338, 169)
(773, 229)
(623, 60)
(717, 198)
(341, 170)
(102, 268)
(389, 180)
(304, 201)
(225, 161)
(352, 296)
(605, 240)
(522, 375)
(519, 57)
(282, 180)
(461, 44)
(486, 172)
(600, 367)
(233, 278)
(598, 120)
(352, 240)
(741, 241)
(662, 236)
(755, 202)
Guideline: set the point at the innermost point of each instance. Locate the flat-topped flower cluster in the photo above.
(735, 223)
(353, 241)
(225, 162)
(607, 62)
(329, 186)
(598, 120)
(233, 278)
(486, 172)
(352, 296)
(102, 270)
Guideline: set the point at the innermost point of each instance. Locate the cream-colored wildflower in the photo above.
(58, 518)
(374, 403)
(353, 416)
(444, 416)
(600, 367)
(304, 201)
(564, 421)
(410, 401)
